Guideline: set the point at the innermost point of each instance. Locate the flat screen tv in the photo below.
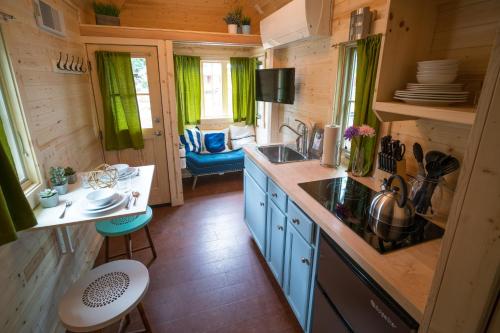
(275, 85)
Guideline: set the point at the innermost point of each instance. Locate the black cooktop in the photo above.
(350, 201)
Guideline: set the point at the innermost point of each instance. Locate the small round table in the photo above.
(105, 295)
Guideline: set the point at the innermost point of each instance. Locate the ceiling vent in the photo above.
(49, 18)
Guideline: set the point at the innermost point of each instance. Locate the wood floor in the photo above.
(209, 275)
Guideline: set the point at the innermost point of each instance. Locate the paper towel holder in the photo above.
(332, 143)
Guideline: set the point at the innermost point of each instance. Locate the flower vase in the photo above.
(358, 161)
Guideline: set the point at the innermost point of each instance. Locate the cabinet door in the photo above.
(255, 211)
(276, 224)
(297, 273)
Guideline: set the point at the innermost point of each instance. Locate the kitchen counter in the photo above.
(405, 274)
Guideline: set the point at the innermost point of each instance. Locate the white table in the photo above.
(49, 217)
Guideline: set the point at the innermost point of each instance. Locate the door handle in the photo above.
(305, 261)
(280, 227)
(274, 195)
(157, 133)
(262, 204)
(296, 221)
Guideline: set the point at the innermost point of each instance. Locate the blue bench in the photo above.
(209, 164)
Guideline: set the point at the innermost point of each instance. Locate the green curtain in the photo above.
(15, 211)
(122, 123)
(243, 86)
(366, 74)
(187, 90)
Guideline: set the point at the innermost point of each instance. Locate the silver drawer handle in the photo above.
(280, 227)
(274, 195)
(305, 261)
(262, 204)
(296, 221)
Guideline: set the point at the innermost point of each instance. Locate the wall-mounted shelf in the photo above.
(203, 37)
(397, 111)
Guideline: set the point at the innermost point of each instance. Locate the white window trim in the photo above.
(8, 81)
(225, 90)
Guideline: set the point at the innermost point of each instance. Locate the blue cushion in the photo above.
(124, 225)
(192, 139)
(199, 164)
(214, 142)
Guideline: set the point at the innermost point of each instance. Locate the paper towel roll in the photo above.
(331, 145)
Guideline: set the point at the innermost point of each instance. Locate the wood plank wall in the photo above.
(315, 64)
(34, 274)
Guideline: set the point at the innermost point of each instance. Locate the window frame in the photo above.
(33, 184)
(226, 92)
(144, 56)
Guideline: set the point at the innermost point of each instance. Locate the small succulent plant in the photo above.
(68, 171)
(234, 16)
(246, 20)
(104, 8)
(47, 193)
(57, 176)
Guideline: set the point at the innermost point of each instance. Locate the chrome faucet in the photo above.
(302, 136)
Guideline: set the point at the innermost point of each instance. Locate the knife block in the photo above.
(389, 165)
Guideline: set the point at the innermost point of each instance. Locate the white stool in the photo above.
(105, 295)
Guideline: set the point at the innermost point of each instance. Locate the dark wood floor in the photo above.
(209, 275)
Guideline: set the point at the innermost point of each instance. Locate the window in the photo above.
(14, 125)
(348, 91)
(216, 100)
(140, 71)
(259, 105)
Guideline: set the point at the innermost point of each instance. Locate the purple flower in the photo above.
(351, 132)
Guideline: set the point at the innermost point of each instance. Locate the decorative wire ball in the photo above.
(103, 176)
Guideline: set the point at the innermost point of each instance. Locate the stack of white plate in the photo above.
(428, 94)
(437, 71)
(124, 170)
(102, 201)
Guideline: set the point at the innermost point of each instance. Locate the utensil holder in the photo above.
(431, 197)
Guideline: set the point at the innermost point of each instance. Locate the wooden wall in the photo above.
(315, 64)
(34, 274)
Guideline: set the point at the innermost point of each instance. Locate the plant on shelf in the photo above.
(59, 180)
(70, 174)
(245, 25)
(49, 198)
(106, 13)
(233, 20)
(361, 133)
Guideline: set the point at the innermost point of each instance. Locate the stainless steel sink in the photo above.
(281, 154)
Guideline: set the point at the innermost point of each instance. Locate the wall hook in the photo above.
(74, 66)
(79, 65)
(59, 61)
(65, 66)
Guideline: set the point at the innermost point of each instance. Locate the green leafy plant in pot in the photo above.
(59, 180)
(245, 25)
(70, 174)
(106, 13)
(49, 198)
(233, 20)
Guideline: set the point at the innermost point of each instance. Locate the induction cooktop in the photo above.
(350, 201)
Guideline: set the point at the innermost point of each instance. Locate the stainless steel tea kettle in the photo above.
(391, 213)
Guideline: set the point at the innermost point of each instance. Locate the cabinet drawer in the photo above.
(257, 174)
(300, 221)
(277, 195)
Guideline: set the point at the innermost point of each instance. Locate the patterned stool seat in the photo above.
(104, 296)
(124, 225)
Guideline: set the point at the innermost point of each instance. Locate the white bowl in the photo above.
(100, 197)
(121, 168)
(436, 78)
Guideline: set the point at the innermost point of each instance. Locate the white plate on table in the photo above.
(116, 203)
(129, 173)
(90, 206)
(427, 101)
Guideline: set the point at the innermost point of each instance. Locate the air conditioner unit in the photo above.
(298, 20)
(49, 18)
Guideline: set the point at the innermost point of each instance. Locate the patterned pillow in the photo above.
(242, 136)
(192, 139)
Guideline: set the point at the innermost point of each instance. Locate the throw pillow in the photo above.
(224, 132)
(242, 136)
(215, 142)
(192, 139)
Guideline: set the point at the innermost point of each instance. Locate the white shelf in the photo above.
(397, 111)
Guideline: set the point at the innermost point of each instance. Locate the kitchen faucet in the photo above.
(302, 135)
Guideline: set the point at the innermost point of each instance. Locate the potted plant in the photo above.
(49, 198)
(58, 180)
(106, 13)
(70, 174)
(245, 25)
(233, 20)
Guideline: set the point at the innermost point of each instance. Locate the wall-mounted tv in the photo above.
(275, 85)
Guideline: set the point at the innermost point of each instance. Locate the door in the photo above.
(276, 223)
(144, 61)
(255, 211)
(297, 273)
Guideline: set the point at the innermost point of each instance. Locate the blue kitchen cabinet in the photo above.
(297, 273)
(276, 227)
(255, 211)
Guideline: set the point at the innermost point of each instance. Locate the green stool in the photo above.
(125, 226)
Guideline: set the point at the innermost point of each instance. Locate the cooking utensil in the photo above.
(129, 199)
(419, 156)
(66, 205)
(136, 195)
(391, 213)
